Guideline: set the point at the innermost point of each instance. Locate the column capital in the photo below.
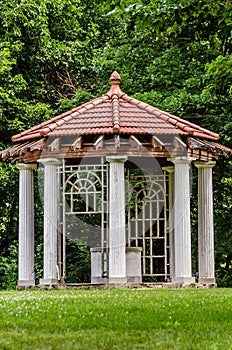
(200, 164)
(27, 166)
(182, 160)
(116, 159)
(169, 169)
(49, 161)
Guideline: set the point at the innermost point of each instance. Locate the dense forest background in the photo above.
(57, 54)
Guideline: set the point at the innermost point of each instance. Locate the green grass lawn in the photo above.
(116, 319)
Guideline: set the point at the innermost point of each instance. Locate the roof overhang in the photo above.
(115, 123)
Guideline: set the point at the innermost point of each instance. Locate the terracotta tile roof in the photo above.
(114, 112)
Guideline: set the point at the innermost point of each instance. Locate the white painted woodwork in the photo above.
(205, 223)
(50, 221)
(170, 171)
(26, 275)
(117, 234)
(182, 227)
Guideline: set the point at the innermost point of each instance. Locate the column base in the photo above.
(183, 280)
(207, 280)
(134, 279)
(118, 280)
(26, 283)
(98, 280)
(48, 281)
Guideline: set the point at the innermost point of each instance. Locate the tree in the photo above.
(55, 55)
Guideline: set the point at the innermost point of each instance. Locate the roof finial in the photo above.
(115, 86)
(115, 78)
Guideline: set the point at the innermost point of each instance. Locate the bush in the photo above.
(78, 261)
(9, 269)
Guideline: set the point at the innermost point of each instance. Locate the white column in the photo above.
(26, 276)
(50, 221)
(117, 234)
(182, 227)
(170, 171)
(205, 223)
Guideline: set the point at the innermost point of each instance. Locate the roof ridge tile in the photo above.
(116, 114)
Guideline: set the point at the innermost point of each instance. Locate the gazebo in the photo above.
(117, 170)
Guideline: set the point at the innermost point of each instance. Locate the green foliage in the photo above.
(8, 207)
(55, 55)
(219, 75)
(9, 268)
(78, 261)
(55, 42)
(16, 112)
(223, 223)
(65, 104)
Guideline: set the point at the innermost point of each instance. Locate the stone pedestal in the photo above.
(26, 275)
(51, 191)
(117, 234)
(97, 264)
(205, 223)
(182, 228)
(133, 265)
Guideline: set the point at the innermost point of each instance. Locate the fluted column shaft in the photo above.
(205, 223)
(50, 221)
(26, 276)
(170, 171)
(182, 227)
(117, 234)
